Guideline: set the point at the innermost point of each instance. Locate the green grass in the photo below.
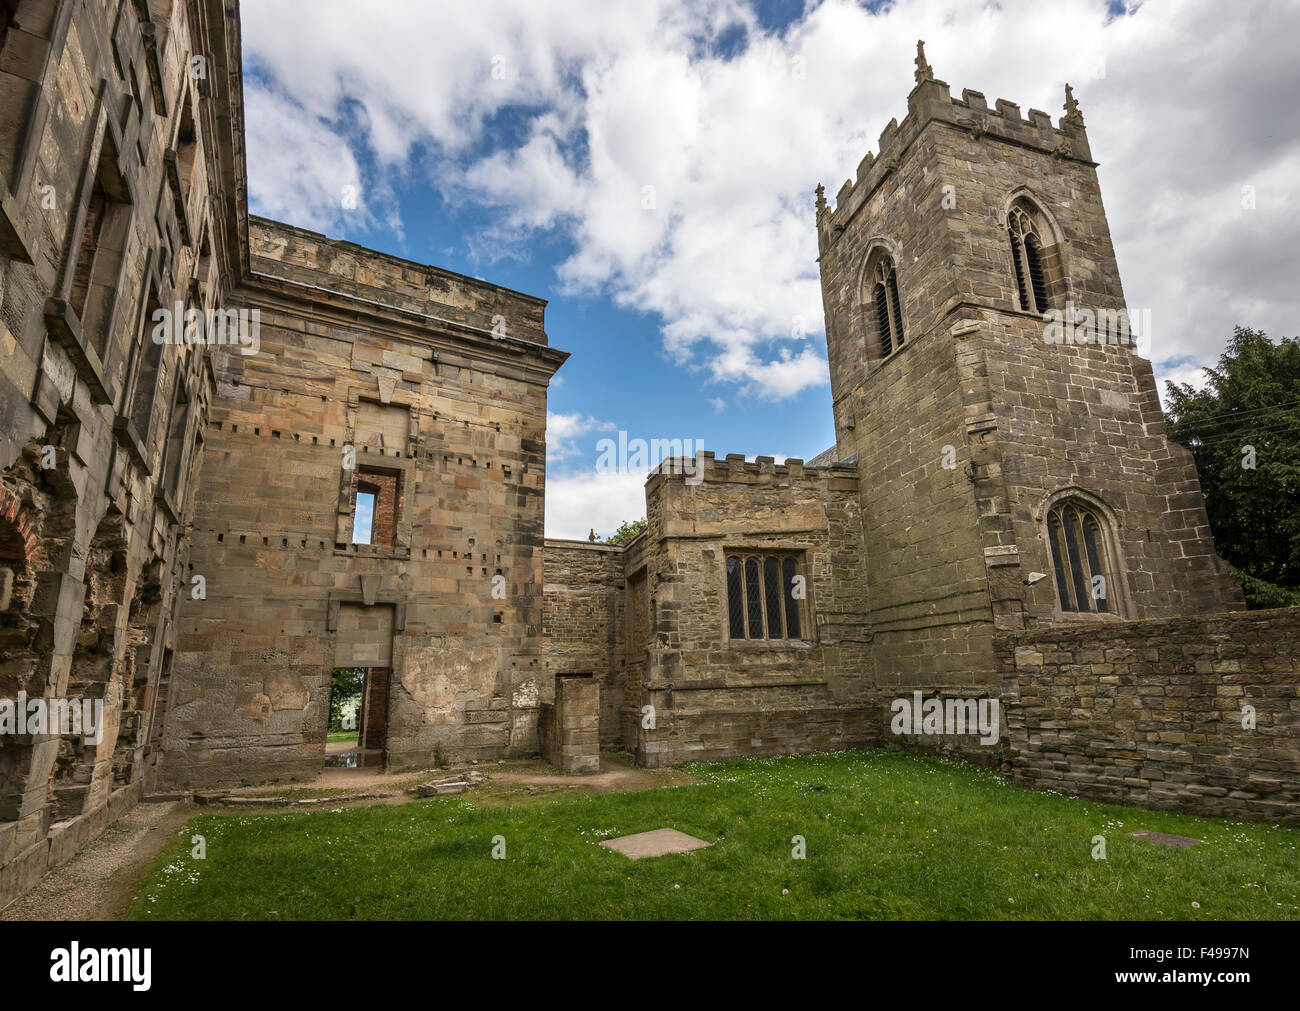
(888, 836)
(345, 735)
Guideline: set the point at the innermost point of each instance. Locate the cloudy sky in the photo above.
(649, 165)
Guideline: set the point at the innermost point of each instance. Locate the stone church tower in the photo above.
(1013, 474)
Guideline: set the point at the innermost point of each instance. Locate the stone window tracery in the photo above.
(887, 306)
(1035, 258)
(1078, 539)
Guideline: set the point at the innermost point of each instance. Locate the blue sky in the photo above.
(648, 167)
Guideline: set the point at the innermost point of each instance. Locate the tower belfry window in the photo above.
(1029, 258)
(888, 306)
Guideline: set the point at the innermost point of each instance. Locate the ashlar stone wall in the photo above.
(391, 374)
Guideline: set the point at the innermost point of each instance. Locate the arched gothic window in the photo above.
(1034, 263)
(1077, 537)
(887, 306)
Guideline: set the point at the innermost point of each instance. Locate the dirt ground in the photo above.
(99, 882)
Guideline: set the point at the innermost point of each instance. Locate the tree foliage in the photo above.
(629, 530)
(345, 686)
(1243, 429)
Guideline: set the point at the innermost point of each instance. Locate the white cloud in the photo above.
(563, 430)
(302, 167)
(621, 97)
(1193, 375)
(600, 500)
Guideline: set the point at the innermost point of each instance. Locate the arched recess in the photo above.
(1037, 253)
(38, 503)
(138, 688)
(95, 674)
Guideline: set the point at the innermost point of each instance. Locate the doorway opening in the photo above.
(358, 718)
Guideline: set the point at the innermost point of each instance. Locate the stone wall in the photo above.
(582, 620)
(716, 695)
(109, 162)
(448, 421)
(1151, 712)
(570, 725)
(971, 430)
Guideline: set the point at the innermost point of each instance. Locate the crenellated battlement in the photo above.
(931, 102)
(736, 469)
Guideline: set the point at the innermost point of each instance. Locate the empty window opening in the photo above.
(377, 506)
(176, 463)
(97, 256)
(186, 148)
(364, 518)
(148, 366)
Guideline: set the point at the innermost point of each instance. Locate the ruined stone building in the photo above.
(181, 520)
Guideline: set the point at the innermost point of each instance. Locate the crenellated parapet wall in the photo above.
(930, 102)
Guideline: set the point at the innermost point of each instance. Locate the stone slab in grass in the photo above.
(655, 844)
(1164, 838)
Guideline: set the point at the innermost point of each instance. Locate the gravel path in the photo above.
(96, 884)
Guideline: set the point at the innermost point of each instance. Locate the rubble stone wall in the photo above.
(1198, 714)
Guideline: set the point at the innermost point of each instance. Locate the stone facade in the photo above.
(107, 182)
(977, 423)
(715, 694)
(390, 377)
(963, 438)
(583, 603)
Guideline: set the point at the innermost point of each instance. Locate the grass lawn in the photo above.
(888, 836)
(345, 735)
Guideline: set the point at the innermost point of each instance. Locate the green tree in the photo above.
(345, 686)
(1244, 431)
(629, 530)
